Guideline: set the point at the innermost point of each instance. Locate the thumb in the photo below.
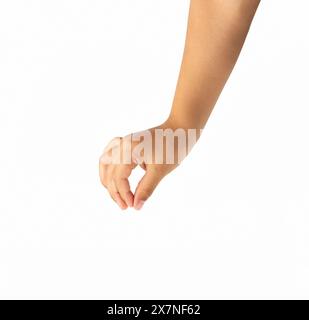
(145, 188)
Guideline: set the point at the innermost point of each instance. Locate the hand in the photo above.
(124, 154)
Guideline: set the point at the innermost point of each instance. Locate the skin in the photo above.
(217, 30)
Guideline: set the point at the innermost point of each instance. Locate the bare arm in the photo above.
(216, 33)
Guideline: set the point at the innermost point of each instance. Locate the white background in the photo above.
(231, 222)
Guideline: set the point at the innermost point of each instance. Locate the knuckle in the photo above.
(112, 194)
(103, 179)
(117, 174)
(104, 182)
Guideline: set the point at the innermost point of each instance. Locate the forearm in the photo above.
(216, 33)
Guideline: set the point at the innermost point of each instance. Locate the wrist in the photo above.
(174, 124)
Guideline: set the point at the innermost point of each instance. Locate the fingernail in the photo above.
(139, 205)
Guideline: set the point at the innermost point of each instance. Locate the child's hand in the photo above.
(122, 155)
